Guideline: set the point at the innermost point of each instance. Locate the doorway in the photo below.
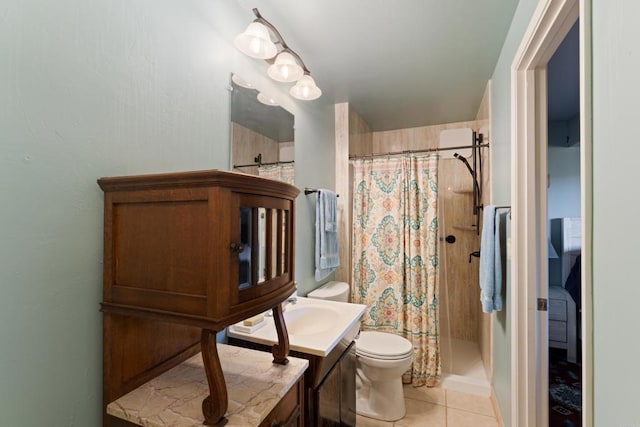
(564, 233)
(552, 21)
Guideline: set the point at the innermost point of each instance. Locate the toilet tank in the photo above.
(332, 291)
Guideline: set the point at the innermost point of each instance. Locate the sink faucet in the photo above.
(293, 299)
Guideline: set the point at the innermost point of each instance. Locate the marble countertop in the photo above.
(254, 386)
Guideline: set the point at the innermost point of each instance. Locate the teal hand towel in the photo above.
(326, 248)
(490, 261)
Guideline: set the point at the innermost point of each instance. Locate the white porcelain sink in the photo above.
(309, 320)
(314, 326)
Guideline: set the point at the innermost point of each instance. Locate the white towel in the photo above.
(326, 234)
(490, 261)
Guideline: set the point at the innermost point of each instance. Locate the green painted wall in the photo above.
(616, 209)
(315, 167)
(111, 87)
(563, 194)
(501, 191)
(104, 88)
(615, 60)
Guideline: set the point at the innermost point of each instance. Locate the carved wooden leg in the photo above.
(280, 351)
(215, 405)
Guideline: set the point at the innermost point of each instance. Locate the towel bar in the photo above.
(505, 207)
(308, 191)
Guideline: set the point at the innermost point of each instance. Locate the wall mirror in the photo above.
(262, 136)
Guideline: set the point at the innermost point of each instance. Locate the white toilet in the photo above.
(382, 358)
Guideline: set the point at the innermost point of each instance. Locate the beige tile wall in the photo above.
(247, 144)
(353, 136)
(458, 277)
(343, 273)
(360, 135)
(484, 325)
(413, 138)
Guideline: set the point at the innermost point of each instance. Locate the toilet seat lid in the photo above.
(383, 345)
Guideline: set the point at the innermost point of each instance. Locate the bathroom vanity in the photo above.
(323, 333)
(185, 255)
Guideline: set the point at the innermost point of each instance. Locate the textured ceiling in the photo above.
(402, 63)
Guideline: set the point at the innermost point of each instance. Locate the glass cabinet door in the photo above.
(283, 265)
(244, 249)
(263, 246)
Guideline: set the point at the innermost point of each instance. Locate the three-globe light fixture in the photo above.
(287, 66)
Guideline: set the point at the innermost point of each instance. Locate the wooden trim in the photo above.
(541, 289)
(237, 312)
(260, 289)
(250, 184)
(158, 299)
(548, 27)
(586, 184)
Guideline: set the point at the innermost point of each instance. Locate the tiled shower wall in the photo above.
(353, 137)
(483, 120)
(247, 144)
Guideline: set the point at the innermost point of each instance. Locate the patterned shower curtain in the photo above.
(280, 172)
(395, 254)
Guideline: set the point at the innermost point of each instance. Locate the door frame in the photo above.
(550, 23)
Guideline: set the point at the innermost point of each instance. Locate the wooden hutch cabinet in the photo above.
(186, 255)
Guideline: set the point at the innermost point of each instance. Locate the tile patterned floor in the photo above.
(437, 407)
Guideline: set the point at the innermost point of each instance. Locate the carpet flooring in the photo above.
(565, 392)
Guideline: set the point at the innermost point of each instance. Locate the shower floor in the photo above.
(467, 372)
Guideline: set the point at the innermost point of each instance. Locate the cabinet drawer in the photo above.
(557, 309)
(557, 331)
(288, 412)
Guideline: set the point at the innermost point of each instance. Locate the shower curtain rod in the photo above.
(425, 150)
(263, 164)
